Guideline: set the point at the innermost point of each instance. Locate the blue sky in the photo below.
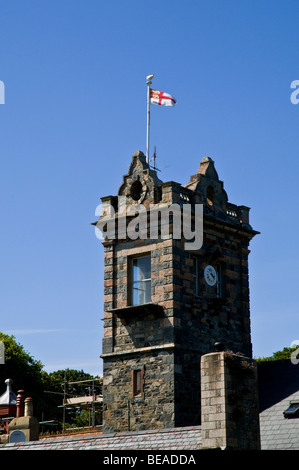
(74, 114)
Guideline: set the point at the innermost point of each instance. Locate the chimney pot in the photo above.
(20, 403)
(28, 407)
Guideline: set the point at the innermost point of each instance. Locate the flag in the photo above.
(161, 98)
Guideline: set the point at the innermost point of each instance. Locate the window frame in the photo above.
(133, 282)
(137, 375)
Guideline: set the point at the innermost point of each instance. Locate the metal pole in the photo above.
(93, 408)
(129, 417)
(148, 121)
(64, 398)
(148, 82)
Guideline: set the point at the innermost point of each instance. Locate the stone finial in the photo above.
(207, 168)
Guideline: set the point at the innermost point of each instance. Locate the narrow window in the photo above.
(137, 382)
(141, 280)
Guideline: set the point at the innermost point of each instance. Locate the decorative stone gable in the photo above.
(207, 187)
(208, 190)
(141, 185)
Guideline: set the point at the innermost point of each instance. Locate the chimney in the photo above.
(20, 403)
(28, 407)
(230, 412)
(24, 427)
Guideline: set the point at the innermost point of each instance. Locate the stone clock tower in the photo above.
(165, 305)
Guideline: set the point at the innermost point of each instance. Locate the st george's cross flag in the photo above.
(161, 98)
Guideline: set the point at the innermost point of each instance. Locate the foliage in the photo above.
(22, 368)
(83, 418)
(58, 383)
(279, 355)
(46, 389)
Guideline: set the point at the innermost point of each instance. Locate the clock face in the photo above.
(210, 275)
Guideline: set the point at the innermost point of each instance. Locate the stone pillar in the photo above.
(229, 402)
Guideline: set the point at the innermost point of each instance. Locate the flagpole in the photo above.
(148, 82)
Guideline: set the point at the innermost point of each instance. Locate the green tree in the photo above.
(46, 389)
(84, 418)
(59, 384)
(23, 369)
(285, 353)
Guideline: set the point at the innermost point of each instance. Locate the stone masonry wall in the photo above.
(190, 324)
(154, 408)
(138, 338)
(203, 319)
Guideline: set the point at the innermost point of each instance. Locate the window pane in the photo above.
(138, 382)
(147, 291)
(142, 268)
(137, 385)
(141, 288)
(136, 295)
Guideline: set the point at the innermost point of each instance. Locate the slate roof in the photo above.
(278, 385)
(188, 438)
